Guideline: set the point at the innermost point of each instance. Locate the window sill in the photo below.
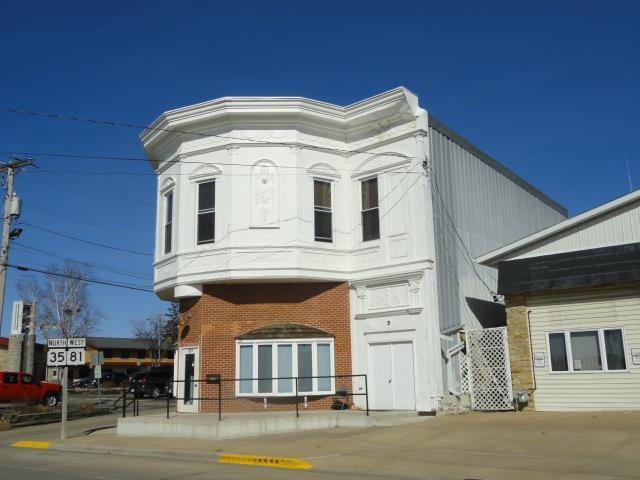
(578, 372)
(285, 395)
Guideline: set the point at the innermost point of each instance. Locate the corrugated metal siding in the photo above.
(489, 210)
(616, 228)
(587, 391)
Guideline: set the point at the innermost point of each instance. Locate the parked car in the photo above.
(84, 382)
(23, 387)
(154, 383)
(114, 379)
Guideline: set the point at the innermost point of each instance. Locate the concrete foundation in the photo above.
(254, 424)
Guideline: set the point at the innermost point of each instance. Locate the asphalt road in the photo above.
(51, 431)
(536, 446)
(18, 464)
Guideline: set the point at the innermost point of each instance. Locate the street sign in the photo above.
(97, 372)
(97, 358)
(67, 342)
(75, 356)
(65, 351)
(56, 358)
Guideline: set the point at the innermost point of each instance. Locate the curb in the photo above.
(233, 458)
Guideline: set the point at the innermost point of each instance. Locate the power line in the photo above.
(106, 268)
(88, 224)
(109, 197)
(191, 162)
(85, 241)
(114, 123)
(74, 277)
(457, 234)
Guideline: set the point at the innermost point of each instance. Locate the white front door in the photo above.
(390, 376)
(188, 376)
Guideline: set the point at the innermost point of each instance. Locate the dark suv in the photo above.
(113, 379)
(154, 383)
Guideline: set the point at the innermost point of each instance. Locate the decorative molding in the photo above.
(393, 295)
(398, 103)
(323, 170)
(167, 184)
(204, 171)
(388, 296)
(398, 247)
(389, 313)
(264, 195)
(380, 162)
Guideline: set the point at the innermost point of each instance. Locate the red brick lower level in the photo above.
(213, 321)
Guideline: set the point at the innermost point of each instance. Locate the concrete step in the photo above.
(253, 424)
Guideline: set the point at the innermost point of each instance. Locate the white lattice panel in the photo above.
(489, 373)
(464, 373)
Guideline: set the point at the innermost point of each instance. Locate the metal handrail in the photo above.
(220, 398)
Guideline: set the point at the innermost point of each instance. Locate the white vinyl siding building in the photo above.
(587, 311)
(573, 296)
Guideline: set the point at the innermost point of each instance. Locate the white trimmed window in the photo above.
(595, 350)
(206, 212)
(269, 367)
(323, 229)
(370, 213)
(168, 221)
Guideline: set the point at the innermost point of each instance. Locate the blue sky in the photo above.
(548, 88)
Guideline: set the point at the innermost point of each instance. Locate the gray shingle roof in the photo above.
(115, 342)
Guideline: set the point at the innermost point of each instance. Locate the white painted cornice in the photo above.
(378, 112)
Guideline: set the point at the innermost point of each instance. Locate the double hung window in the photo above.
(168, 221)
(206, 212)
(323, 230)
(270, 367)
(370, 210)
(587, 350)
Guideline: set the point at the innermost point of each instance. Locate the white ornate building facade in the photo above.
(304, 239)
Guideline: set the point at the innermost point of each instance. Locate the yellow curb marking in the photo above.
(30, 444)
(278, 462)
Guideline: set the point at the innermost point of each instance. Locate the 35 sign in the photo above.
(56, 358)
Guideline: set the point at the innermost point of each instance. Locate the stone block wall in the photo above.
(520, 347)
(4, 358)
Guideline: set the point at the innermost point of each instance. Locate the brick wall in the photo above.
(213, 321)
(520, 347)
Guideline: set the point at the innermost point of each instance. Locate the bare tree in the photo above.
(153, 330)
(172, 317)
(65, 307)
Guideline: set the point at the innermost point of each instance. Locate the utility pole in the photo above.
(7, 214)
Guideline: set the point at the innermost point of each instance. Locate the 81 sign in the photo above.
(75, 356)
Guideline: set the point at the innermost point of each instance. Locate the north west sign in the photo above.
(66, 352)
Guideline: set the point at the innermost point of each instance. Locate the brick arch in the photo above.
(284, 330)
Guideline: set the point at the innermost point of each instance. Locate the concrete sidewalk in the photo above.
(480, 446)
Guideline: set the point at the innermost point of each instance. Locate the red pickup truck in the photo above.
(23, 387)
